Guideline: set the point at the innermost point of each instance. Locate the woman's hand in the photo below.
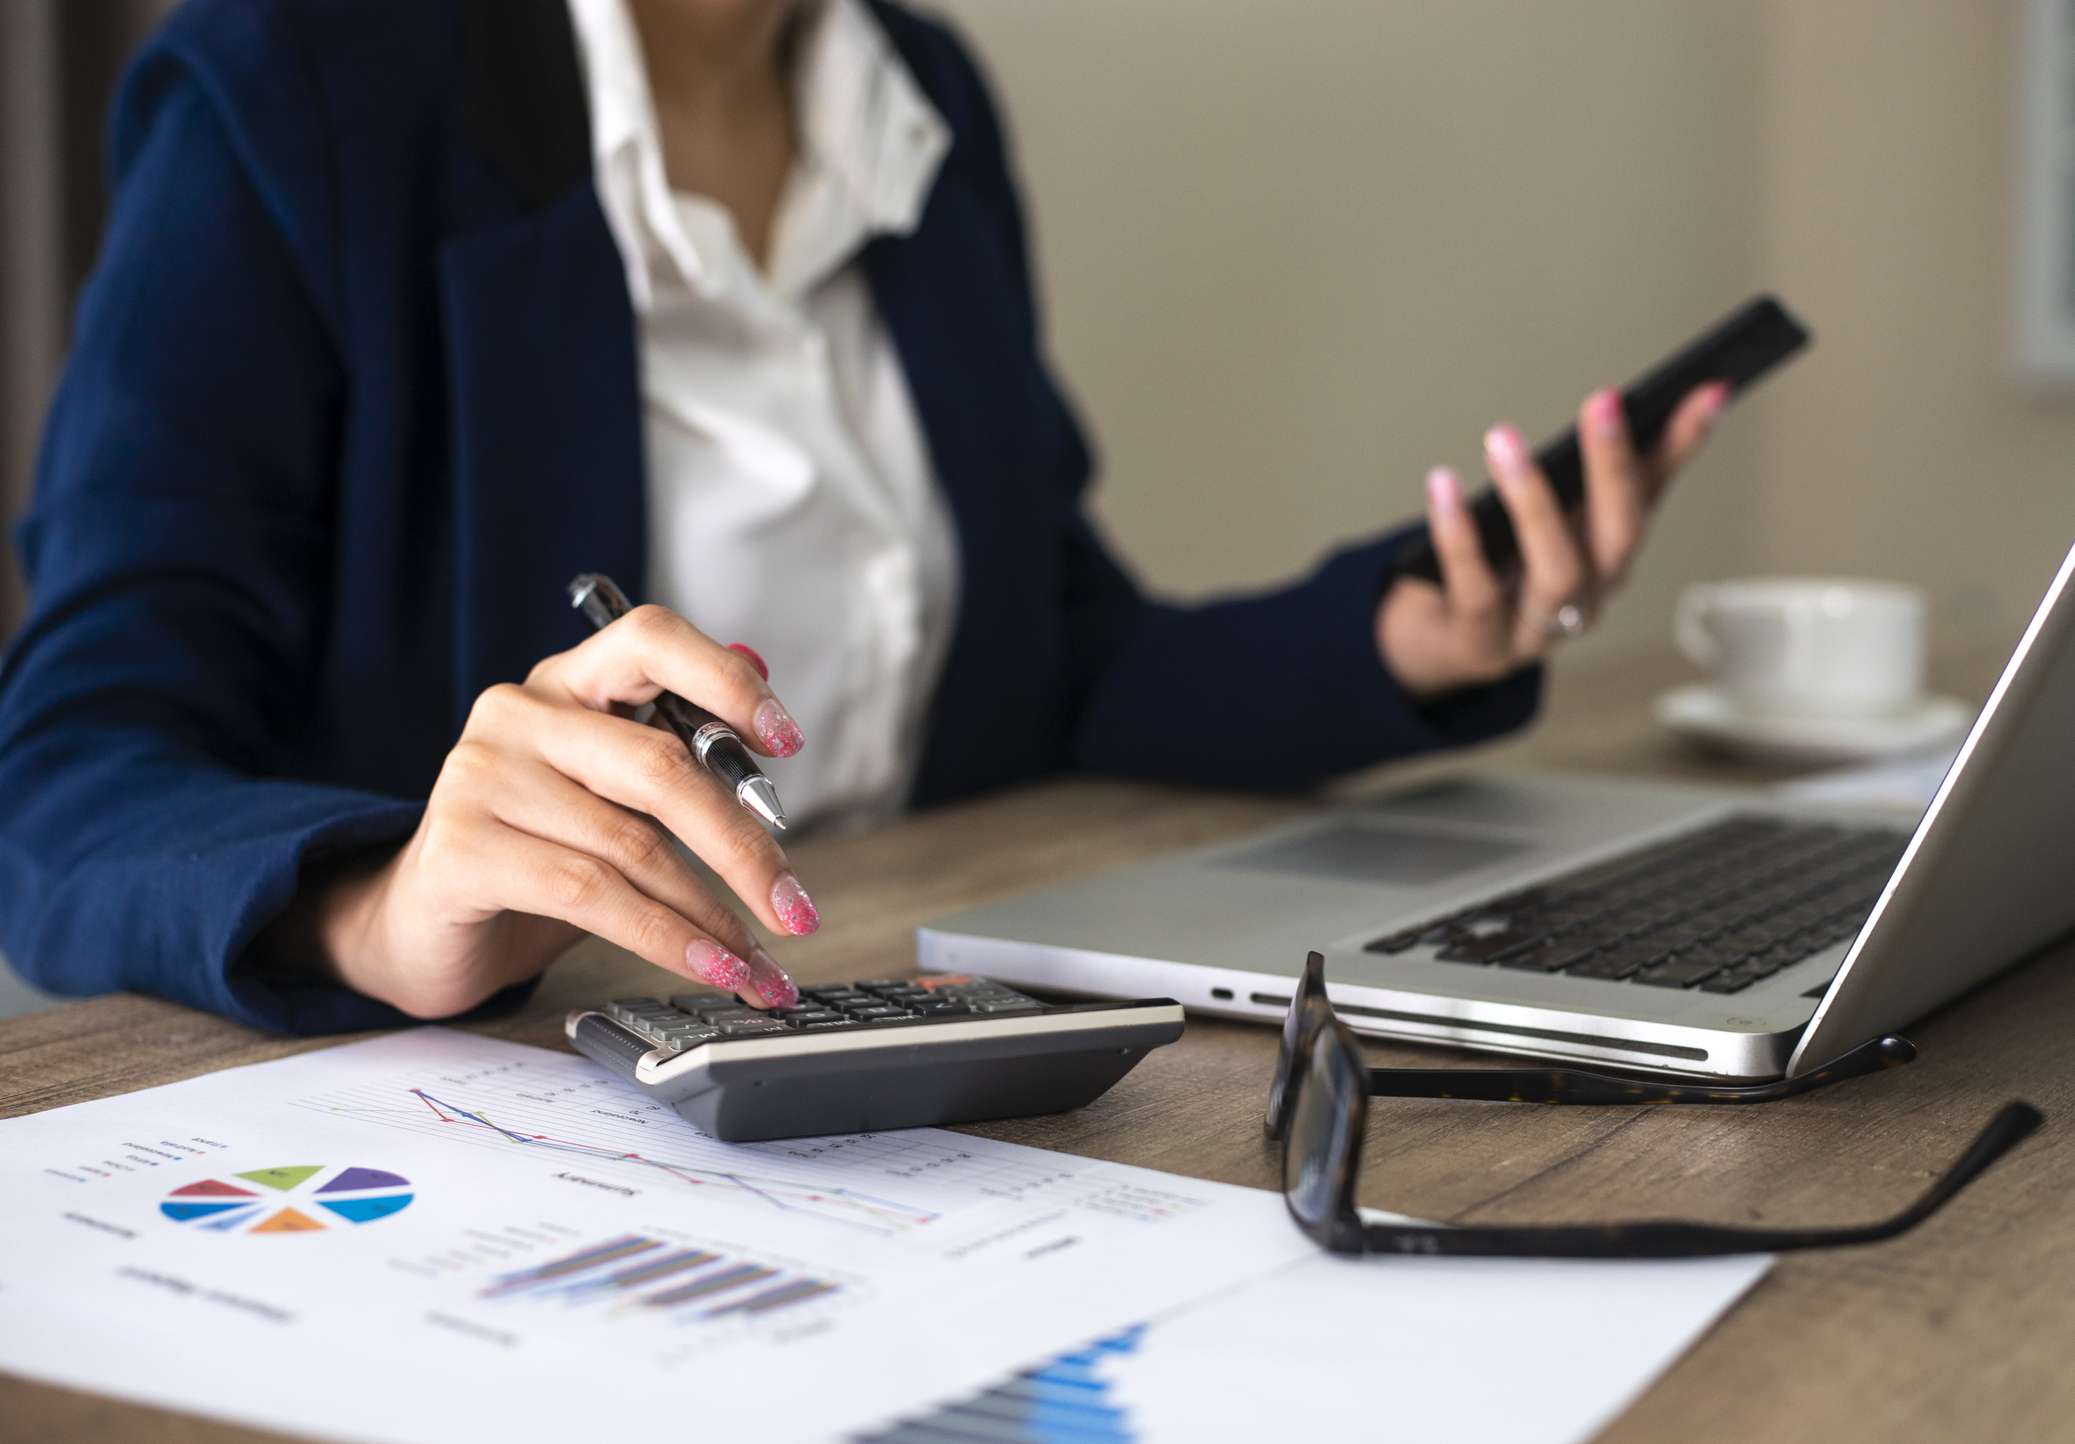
(1477, 627)
(553, 816)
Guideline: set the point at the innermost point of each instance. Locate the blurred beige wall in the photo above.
(1905, 448)
(1296, 253)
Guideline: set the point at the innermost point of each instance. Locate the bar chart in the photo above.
(681, 1282)
(1070, 1399)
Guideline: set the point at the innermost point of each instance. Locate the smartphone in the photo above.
(1738, 349)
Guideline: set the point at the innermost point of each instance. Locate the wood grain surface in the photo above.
(1960, 1330)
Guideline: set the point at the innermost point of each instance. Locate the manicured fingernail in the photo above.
(1717, 398)
(1504, 445)
(1444, 491)
(1603, 411)
(773, 984)
(794, 908)
(716, 965)
(776, 729)
(755, 660)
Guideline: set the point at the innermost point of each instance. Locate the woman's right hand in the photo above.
(553, 816)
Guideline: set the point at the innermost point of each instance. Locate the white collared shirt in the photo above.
(791, 501)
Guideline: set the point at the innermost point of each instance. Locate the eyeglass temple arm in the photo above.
(1577, 1085)
(1672, 1239)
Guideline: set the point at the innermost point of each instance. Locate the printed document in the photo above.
(433, 1236)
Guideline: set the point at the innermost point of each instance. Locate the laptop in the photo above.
(1641, 924)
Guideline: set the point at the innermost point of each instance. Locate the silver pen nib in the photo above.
(759, 796)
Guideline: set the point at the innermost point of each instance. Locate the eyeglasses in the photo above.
(1319, 1107)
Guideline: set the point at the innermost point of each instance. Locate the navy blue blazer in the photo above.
(352, 394)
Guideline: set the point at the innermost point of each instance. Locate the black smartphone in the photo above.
(1738, 349)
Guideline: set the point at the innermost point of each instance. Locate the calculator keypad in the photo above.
(688, 1019)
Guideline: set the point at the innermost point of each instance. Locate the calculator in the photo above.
(864, 1057)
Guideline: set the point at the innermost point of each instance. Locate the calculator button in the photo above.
(897, 1017)
(942, 1008)
(873, 1015)
(763, 1027)
(833, 1020)
(1006, 1005)
(875, 984)
(736, 1014)
(811, 1015)
(628, 1009)
(697, 1002)
(678, 1041)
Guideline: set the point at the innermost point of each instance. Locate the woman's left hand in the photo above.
(1477, 627)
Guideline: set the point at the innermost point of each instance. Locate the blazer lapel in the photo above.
(949, 306)
(522, 95)
(542, 374)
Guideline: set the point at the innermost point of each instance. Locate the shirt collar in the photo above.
(863, 118)
(870, 144)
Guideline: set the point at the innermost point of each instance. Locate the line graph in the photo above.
(834, 1201)
(569, 1112)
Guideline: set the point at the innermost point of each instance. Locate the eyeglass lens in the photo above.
(1321, 1135)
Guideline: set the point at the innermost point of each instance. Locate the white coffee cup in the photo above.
(1807, 646)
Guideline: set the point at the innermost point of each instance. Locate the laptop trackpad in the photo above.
(1403, 856)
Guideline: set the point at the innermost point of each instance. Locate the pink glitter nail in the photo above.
(1605, 410)
(773, 984)
(717, 965)
(776, 729)
(1505, 446)
(794, 908)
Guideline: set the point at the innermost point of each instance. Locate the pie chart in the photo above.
(292, 1198)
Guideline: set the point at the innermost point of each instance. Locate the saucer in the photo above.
(1702, 712)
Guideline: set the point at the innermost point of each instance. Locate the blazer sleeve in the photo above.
(1197, 693)
(1183, 692)
(178, 549)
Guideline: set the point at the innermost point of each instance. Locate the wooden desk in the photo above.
(1960, 1330)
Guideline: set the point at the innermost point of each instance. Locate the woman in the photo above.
(409, 312)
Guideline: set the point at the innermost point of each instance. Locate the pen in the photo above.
(713, 742)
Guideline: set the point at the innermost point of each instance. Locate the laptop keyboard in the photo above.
(1717, 909)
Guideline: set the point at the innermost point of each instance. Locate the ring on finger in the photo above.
(1565, 623)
